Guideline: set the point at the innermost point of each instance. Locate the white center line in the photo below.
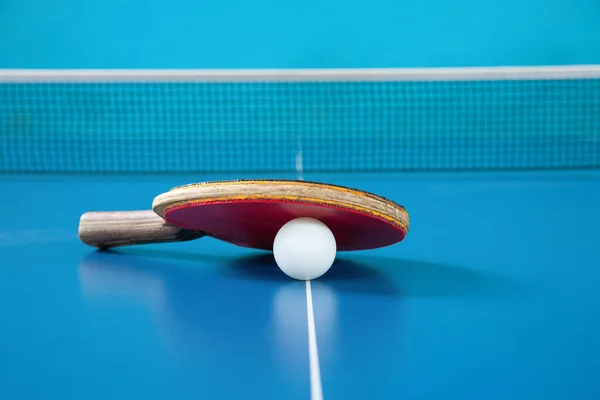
(299, 161)
(316, 390)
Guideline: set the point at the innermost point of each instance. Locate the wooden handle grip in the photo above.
(124, 228)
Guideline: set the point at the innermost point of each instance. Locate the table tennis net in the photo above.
(330, 120)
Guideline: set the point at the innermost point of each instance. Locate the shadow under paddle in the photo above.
(368, 274)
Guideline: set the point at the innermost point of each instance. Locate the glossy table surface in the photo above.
(493, 295)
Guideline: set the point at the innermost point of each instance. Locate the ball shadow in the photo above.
(344, 275)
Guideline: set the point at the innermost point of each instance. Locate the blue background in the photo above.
(283, 34)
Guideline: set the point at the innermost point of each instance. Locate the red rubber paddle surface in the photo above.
(254, 224)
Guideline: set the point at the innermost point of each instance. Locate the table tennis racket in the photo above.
(249, 213)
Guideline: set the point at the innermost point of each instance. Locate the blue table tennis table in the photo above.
(493, 294)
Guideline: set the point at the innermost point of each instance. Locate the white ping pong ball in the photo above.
(304, 249)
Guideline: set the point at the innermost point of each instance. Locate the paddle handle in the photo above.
(107, 229)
